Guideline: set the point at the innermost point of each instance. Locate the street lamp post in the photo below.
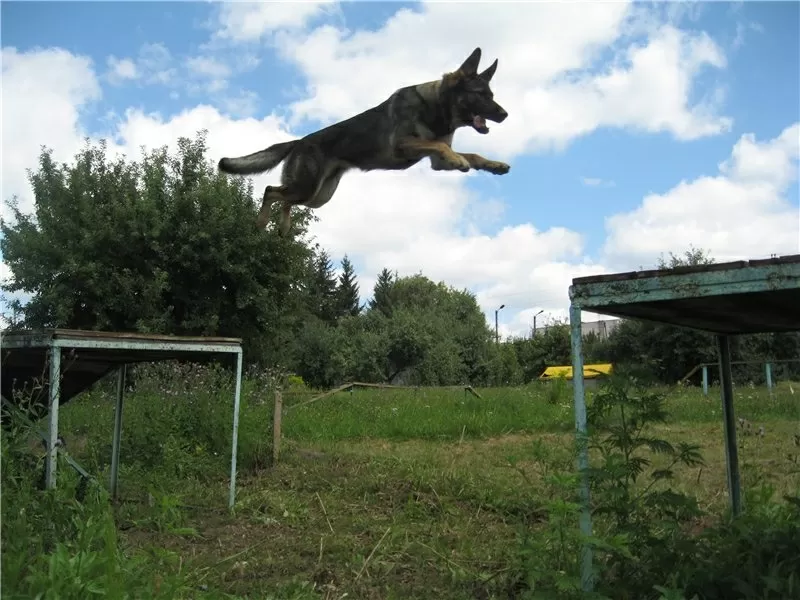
(496, 331)
(534, 321)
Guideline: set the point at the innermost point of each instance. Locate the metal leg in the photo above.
(583, 452)
(235, 441)
(55, 393)
(117, 431)
(729, 421)
(705, 381)
(768, 373)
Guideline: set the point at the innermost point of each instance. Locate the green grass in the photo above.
(379, 494)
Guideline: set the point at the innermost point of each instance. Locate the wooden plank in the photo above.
(85, 334)
(652, 273)
(341, 388)
(388, 386)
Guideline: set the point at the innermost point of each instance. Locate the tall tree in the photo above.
(322, 289)
(382, 293)
(347, 291)
(166, 244)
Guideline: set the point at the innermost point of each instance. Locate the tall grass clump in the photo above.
(651, 541)
(57, 546)
(177, 423)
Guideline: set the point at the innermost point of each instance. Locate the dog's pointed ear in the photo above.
(489, 73)
(470, 66)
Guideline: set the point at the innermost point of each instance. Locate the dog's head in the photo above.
(472, 99)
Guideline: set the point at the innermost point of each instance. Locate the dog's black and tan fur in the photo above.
(414, 122)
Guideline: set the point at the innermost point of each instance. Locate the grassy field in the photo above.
(378, 494)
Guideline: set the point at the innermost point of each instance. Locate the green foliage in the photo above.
(56, 547)
(382, 298)
(322, 298)
(634, 496)
(643, 543)
(347, 295)
(558, 390)
(417, 332)
(754, 556)
(548, 558)
(166, 244)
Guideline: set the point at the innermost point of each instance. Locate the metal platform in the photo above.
(756, 296)
(76, 359)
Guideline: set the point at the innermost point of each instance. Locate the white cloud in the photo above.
(43, 94)
(206, 66)
(122, 69)
(243, 104)
(153, 65)
(206, 76)
(547, 77)
(742, 212)
(155, 60)
(250, 21)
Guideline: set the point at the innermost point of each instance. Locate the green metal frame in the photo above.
(54, 342)
(606, 294)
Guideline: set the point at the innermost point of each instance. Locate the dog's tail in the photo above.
(257, 162)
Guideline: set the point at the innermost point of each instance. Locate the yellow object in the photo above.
(589, 372)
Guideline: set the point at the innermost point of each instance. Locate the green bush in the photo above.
(643, 544)
(57, 547)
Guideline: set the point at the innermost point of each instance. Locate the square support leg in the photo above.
(729, 422)
(581, 433)
(235, 437)
(705, 381)
(55, 397)
(768, 374)
(115, 444)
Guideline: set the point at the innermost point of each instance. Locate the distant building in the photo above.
(601, 329)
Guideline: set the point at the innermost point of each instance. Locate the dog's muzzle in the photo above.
(499, 116)
(479, 121)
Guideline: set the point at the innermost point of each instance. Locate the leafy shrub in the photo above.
(56, 547)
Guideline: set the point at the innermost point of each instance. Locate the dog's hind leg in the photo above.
(286, 217)
(272, 194)
(326, 186)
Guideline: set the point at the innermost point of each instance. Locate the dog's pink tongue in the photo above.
(479, 122)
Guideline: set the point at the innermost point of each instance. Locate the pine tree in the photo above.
(382, 294)
(322, 292)
(347, 291)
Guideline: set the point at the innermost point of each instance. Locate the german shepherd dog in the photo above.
(414, 122)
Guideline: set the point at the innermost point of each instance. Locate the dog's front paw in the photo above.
(496, 167)
(459, 163)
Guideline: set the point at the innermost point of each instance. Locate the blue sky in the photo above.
(586, 148)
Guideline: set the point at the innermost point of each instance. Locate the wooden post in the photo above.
(276, 427)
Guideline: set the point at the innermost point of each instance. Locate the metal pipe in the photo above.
(117, 439)
(768, 369)
(534, 321)
(729, 423)
(581, 434)
(496, 330)
(55, 393)
(235, 442)
(705, 380)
